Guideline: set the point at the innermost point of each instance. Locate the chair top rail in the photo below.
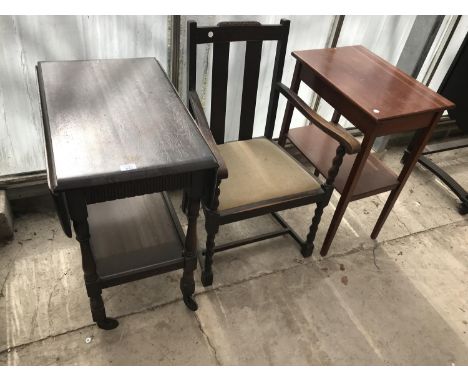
(239, 31)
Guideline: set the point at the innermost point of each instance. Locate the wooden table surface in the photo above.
(379, 99)
(108, 121)
(377, 88)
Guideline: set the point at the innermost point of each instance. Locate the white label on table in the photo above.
(128, 166)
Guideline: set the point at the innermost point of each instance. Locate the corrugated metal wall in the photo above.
(447, 58)
(25, 40)
(28, 39)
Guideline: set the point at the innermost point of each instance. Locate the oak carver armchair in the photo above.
(256, 176)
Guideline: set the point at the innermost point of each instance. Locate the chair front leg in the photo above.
(308, 246)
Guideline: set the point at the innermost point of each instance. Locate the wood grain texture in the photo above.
(371, 83)
(109, 121)
(133, 235)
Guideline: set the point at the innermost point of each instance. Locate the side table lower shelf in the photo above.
(134, 238)
(319, 148)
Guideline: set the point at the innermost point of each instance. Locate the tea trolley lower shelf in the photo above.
(136, 237)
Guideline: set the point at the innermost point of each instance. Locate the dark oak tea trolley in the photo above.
(117, 137)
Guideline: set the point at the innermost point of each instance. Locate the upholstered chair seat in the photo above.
(261, 171)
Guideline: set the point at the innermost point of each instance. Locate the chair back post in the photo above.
(191, 58)
(219, 80)
(288, 112)
(277, 77)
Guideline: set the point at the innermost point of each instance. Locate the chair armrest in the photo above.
(351, 144)
(205, 131)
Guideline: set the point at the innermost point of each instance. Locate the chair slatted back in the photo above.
(253, 33)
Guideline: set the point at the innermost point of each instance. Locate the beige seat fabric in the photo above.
(260, 170)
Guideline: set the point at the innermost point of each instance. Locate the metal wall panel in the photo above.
(449, 55)
(29, 39)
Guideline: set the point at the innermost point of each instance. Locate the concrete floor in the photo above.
(401, 300)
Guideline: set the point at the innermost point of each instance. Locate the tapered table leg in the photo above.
(417, 146)
(411, 146)
(348, 190)
(79, 215)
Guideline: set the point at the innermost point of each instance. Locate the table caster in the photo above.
(463, 209)
(307, 250)
(206, 278)
(108, 324)
(190, 303)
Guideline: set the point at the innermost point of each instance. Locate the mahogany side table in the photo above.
(379, 99)
(117, 136)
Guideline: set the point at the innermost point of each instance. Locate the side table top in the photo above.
(115, 120)
(375, 86)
